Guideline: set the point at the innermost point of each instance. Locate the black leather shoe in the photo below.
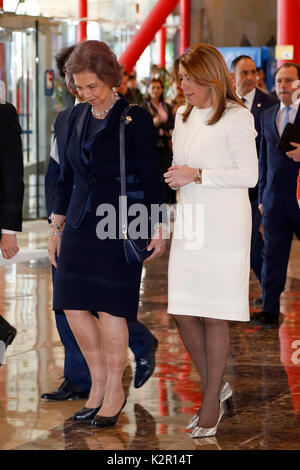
(86, 414)
(7, 335)
(7, 332)
(107, 421)
(266, 320)
(145, 366)
(66, 391)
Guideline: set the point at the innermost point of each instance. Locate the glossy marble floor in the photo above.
(263, 369)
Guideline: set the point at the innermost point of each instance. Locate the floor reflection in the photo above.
(263, 369)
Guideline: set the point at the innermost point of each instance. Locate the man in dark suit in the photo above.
(244, 74)
(295, 155)
(11, 198)
(277, 194)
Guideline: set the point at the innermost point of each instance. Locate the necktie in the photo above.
(286, 119)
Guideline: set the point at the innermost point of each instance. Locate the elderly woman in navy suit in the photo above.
(92, 272)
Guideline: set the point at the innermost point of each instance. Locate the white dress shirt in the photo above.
(54, 151)
(281, 113)
(248, 98)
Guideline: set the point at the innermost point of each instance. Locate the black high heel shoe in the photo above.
(107, 421)
(86, 414)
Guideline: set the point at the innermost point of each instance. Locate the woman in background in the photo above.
(163, 120)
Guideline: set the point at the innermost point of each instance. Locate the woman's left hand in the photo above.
(158, 243)
(178, 176)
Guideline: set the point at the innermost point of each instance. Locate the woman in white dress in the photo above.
(214, 164)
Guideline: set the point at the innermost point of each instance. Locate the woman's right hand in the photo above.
(54, 242)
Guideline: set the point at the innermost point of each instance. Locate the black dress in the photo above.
(93, 273)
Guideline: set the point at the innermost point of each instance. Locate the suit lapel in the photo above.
(81, 123)
(114, 117)
(274, 125)
(257, 103)
(83, 117)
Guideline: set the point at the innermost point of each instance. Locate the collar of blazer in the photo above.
(84, 109)
(77, 125)
(261, 100)
(257, 101)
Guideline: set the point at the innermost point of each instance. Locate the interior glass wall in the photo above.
(27, 66)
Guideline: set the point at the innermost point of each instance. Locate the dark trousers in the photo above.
(75, 367)
(279, 229)
(257, 242)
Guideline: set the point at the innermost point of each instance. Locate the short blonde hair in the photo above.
(205, 66)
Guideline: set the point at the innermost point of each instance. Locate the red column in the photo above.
(288, 17)
(161, 44)
(185, 8)
(82, 25)
(146, 33)
(1, 5)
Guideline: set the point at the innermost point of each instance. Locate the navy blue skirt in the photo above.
(93, 274)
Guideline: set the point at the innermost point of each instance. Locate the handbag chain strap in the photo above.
(124, 119)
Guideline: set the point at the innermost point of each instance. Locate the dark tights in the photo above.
(207, 342)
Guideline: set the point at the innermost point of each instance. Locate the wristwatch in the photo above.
(198, 177)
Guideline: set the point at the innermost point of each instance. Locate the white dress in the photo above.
(209, 261)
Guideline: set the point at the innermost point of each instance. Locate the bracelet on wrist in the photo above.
(198, 177)
(57, 234)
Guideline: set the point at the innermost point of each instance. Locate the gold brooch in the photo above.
(128, 119)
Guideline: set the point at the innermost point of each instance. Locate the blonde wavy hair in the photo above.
(206, 67)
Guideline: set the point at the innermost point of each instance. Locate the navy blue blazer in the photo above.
(53, 171)
(99, 182)
(261, 102)
(277, 173)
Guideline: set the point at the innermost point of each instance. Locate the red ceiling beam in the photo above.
(161, 45)
(185, 7)
(288, 14)
(146, 33)
(82, 15)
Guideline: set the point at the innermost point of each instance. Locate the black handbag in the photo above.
(290, 134)
(135, 250)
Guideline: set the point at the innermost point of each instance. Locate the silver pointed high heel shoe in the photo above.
(226, 393)
(193, 422)
(208, 432)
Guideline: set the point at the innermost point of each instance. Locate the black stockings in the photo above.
(207, 342)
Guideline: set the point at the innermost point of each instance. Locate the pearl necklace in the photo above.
(106, 110)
